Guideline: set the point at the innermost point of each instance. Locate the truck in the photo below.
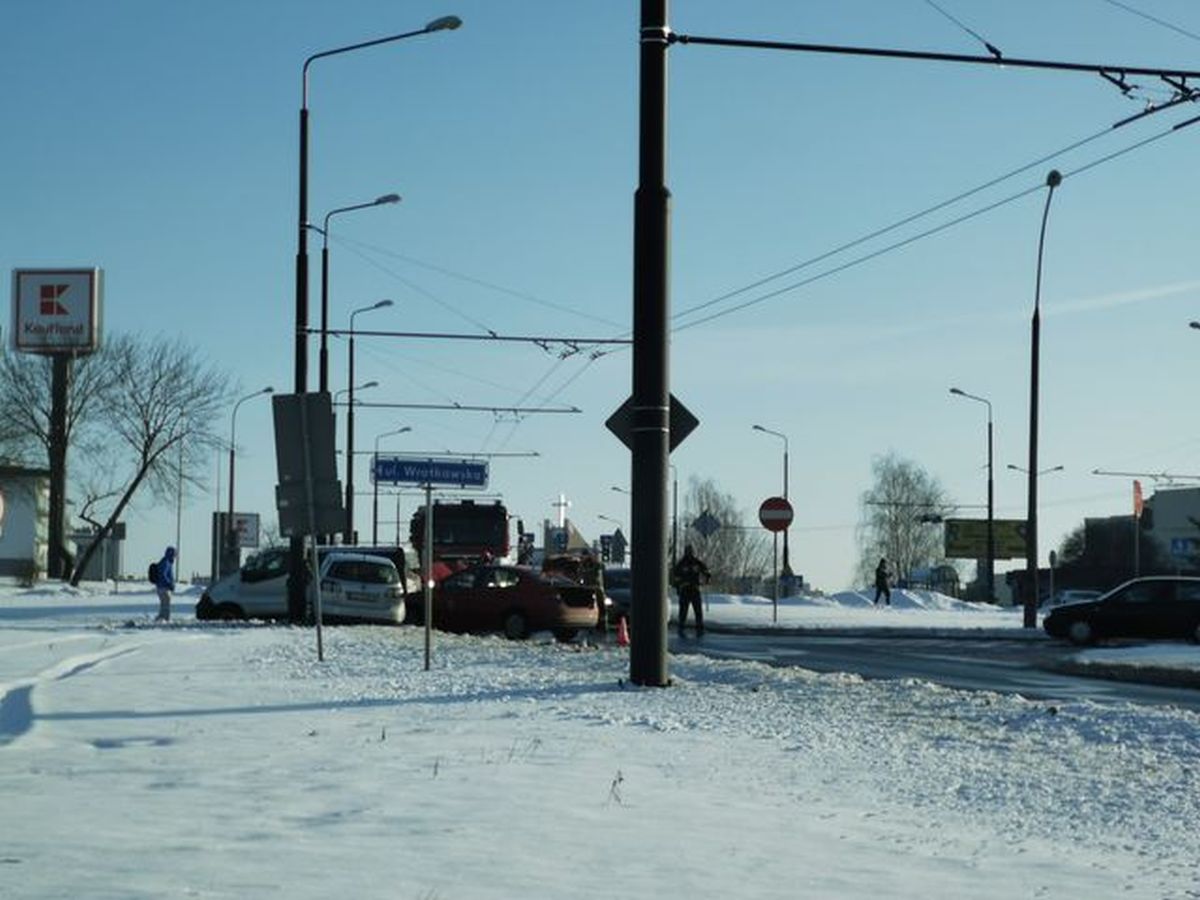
(464, 531)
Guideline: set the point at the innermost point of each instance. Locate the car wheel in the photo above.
(515, 626)
(205, 609)
(228, 612)
(1196, 634)
(565, 635)
(1081, 633)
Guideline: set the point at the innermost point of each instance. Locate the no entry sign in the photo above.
(775, 514)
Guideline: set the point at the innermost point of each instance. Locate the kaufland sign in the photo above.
(56, 310)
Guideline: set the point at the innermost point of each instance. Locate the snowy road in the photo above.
(1008, 666)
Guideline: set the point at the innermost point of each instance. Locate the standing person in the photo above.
(686, 577)
(165, 584)
(881, 583)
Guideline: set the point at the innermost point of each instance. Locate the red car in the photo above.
(515, 600)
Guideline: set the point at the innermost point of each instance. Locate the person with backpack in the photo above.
(164, 583)
(686, 576)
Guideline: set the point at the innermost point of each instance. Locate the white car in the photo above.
(355, 587)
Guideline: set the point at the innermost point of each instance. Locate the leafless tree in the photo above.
(738, 550)
(900, 520)
(161, 411)
(25, 387)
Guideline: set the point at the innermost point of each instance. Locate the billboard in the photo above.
(967, 538)
(56, 310)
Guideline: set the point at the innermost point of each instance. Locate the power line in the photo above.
(928, 232)
(900, 223)
(1154, 19)
(990, 48)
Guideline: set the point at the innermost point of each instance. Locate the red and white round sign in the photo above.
(775, 514)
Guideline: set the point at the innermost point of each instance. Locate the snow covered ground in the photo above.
(215, 761)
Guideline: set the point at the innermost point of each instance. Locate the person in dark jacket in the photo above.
(165, 584)
(882, 589)
(686, 577)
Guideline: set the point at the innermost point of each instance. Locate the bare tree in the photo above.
(738, 549)
(900, 518)
(25, 388)
(161, 407)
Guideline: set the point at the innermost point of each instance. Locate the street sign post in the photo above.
(775, 514)
(428, 472)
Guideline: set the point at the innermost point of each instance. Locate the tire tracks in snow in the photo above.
(16, 700)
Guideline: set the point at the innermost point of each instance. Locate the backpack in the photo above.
(152, 573)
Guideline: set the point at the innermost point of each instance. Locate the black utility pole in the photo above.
(60, 387)
(651, 380)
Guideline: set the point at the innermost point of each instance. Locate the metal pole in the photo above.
(651, 362)
(348, 537)
(787, 562)
(60, 382)
(427, 574)
(775, 576)
(323, 357)
(375, 496)
(991, 520)
(1053, 180)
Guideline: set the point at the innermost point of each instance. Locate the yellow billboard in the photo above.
(967, 538)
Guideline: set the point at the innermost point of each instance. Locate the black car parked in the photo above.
(1151, 607)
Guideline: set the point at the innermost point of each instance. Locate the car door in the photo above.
(454, 601)
(1133, 611)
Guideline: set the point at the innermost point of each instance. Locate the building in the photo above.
(24, 522)
(1174, 522)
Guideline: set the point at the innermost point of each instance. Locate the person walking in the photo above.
(165, 584)
(686, 577)
(881, 583)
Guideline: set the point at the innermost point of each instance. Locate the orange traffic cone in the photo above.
(622, 632)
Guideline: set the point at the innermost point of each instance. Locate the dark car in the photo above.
(515, 600)
(1151, 607)
(618, 586)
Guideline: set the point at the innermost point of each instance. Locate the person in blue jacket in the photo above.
(165, 584)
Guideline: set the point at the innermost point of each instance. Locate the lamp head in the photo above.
(758, 428)
(1054, 179)
(267, 390)
(1195, 325)
(387, 198)
(957, 391)
(368, 384)
(445, 23)
(382, 303)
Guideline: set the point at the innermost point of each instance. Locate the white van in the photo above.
(360, 584)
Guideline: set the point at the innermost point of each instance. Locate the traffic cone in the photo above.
(622, 632)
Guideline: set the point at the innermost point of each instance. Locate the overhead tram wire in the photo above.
(975, 34)
(907, 220)
(1154, 19)
(924, 234)
(478, 282)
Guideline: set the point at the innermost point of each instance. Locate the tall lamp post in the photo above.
(232, 545)
(349, 535)
(350, 389)
(375, 478)
(445, 23)
(1053, 180)
(323, 378)
(787, 565)
(990, 571)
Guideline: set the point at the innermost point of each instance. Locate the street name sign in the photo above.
(461, 473)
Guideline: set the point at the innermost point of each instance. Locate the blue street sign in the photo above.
(454, 472)
(1184, 547)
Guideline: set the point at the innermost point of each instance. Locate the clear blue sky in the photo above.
(159, 141)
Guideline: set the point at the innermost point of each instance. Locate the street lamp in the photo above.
(323, 383)
(444, 23)
(990, 571)
(1053, 180)
(787, 566)
(349, 535)
(1195, 325)
(231, 530)
(375, 472)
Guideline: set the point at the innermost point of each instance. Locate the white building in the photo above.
(24, 522)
